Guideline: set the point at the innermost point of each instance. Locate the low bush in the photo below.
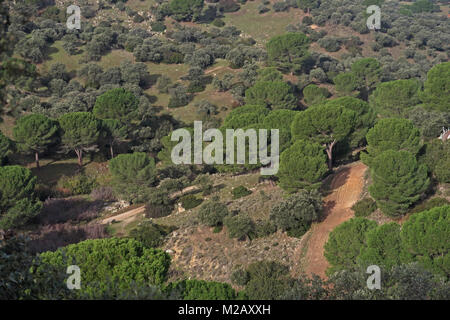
(212, 213)
(239, 226)
(430, 204)
(77, 184)
(240, 277)
(190, 201)
(265, 228)
(240, 192)
(150, 234)
(364, 207)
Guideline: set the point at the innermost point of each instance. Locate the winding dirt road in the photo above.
(346, 188)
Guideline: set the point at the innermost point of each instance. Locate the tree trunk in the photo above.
(80, 157)
(36, 157)
(111, 149)
(329, 150)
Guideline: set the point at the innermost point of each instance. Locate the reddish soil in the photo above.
(346, 188)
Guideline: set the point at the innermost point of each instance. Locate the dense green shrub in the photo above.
(425, 239)
(314, 94)
(133, 174)
(239, 277)
(201, 290)
(364, 207)
(239, 226)
(398, 181)
(18, 201)
(382, 246)
(212, 213)
(267, 280)
(296, 213)
(125, 261)
(150, 234)
(190, 201)
(435, 156)
(159, 204)
(436, 94)
(265, 228)
(240, 192)
(302, 165)
(430, 204)
(345, 242)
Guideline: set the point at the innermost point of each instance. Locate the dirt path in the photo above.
(346, 188)
(133, 212)
(125, 215)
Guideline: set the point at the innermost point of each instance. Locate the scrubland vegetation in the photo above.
(86, 118)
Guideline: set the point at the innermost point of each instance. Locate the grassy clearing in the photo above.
(59, 55)
(115, 59)
(262, 27)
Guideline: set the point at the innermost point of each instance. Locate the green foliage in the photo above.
(364, 207)
(271, 94)
(19, 282)
(398, 181)
(239, 277)
(296, 213)
(239, 226)
(125, 261)
(326, 125)
(269, 74)
(314, 94)
(115, 132)
(5, 147)
(81, 131)
(201, 290)
(212, 213)
(35, 133)
(240, 192)
(245, 116)
(132, 174)
(392, 134)
(190, 201)
(302, 165)
(436, 155)
(265, 228)
(323, 124)
(436, 92)
(307, 5)
(78, 184)
(383, 246)
(425, 239)
(429, 122)
(267, 280)
(150, 234)
(330, 43)
(185, 9)
(420, 6)
(280, 119)
(394, 98)
(159, 204)
(367, 72)
(346, 84)
(18, 203)
(119, 104)
(430, 204)
(365, 118)
(345, 242)
(288, 51)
